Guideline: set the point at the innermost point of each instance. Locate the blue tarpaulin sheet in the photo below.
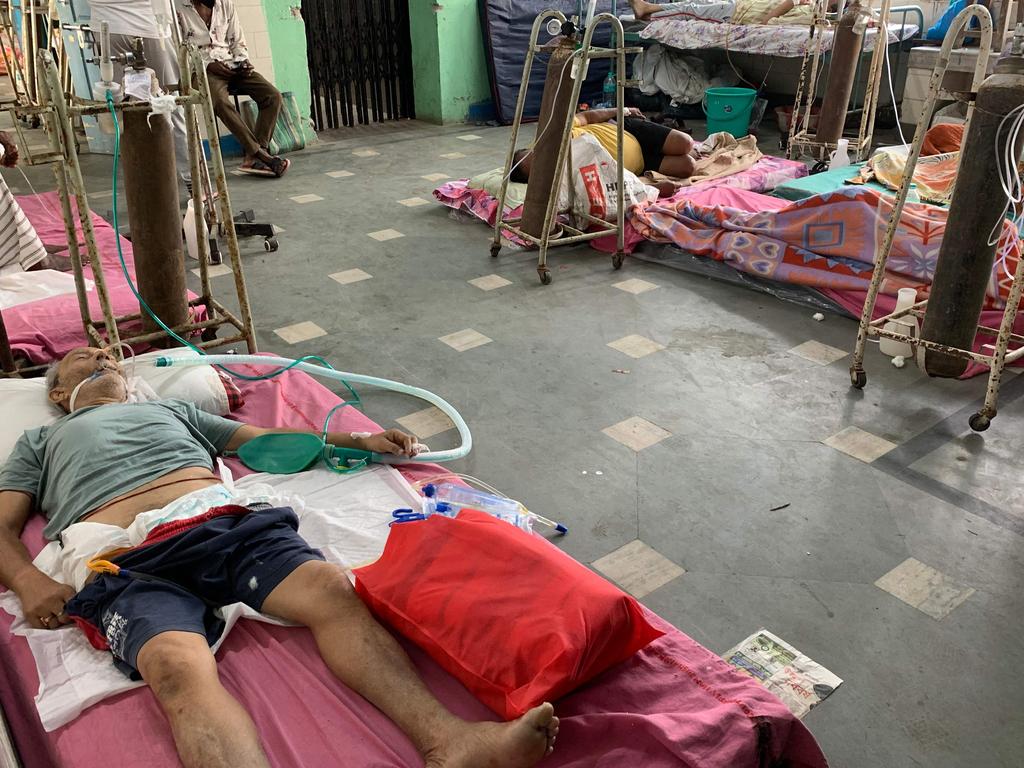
(506, 29)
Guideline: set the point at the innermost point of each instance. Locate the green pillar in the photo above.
(287, 33)
(449, 64)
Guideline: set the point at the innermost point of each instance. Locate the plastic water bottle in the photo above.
(457, 497)
(608, 90)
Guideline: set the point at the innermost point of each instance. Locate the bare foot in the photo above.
(642, 9)
(519, 744)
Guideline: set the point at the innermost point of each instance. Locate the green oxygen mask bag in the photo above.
(285, 453)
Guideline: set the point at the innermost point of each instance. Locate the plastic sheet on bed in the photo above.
(762, 39)
(674, 703)
(48, 328)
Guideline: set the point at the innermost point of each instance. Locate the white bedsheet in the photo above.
(344, 515)
(22, 287)
(762, 39)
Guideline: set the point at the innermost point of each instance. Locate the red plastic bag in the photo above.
(515, 620)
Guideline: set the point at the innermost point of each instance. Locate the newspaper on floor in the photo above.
(800, 682)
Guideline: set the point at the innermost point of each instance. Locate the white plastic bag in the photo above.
(595, 182)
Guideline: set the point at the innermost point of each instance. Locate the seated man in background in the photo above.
(214, 27)
(151, 465)
(744, 12)
(647, 146)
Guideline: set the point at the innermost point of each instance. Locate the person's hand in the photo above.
(393, 441)
(219, 69)
(10, 158)
(634, 112)
(42, 599)
(244, 66)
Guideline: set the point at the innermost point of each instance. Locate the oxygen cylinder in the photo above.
(553, 115)
(849, 38)
(964, 268)
(151, 192)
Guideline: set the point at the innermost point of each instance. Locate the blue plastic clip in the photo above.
(406, 516)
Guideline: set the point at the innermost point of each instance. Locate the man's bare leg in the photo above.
(678, 154)
(365, 657)
(211, 730)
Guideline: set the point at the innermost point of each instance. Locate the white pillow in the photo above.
(24, 405)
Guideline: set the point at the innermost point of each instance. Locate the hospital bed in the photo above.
(772, 53)
(674, 703)
(45, 328)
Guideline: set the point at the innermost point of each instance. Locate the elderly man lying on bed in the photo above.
(796, 12)
(110, 462)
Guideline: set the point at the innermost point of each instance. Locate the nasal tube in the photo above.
(445, 407)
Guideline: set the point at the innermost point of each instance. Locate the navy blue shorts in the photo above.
(183, 572)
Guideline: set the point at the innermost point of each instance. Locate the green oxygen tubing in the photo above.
(329, 373)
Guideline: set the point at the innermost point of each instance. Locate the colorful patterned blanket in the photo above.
(826, 242)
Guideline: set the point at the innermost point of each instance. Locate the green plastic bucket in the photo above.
(728, 109)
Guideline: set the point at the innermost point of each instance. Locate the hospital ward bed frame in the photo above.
(57, 114)
(585, 53)
(999, 357)
(804, 141)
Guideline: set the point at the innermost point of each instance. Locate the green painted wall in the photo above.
(287, 33)
(449, 64)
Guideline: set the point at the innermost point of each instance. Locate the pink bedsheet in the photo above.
(673, 704)
(47, 329)
(764, 176)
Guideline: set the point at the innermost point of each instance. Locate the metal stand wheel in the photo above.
(545, 275)
(858, 378)
(495, 250)
(617, 260)
(270, 244)
(979, 422)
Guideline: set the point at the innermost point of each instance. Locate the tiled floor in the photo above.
(674, 422)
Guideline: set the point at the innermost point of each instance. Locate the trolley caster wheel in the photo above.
(979, 422)
(858, 379)
(209, 334)
(495, 250)
(617, 260)
(545, 276)
(270, 244)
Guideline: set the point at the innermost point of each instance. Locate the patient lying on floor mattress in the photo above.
(148, 468)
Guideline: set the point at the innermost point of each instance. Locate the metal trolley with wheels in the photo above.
(566, 234)
(1000, 355)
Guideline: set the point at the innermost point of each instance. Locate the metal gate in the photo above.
(360, 61)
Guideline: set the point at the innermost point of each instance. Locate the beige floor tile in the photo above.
(819, 353)
(436, 176)
(340, 174)
(638, 569)
(365, 152)
(465, 339)
(426, 423)
(452, 155)
(636, 433)
(412, 202)
(293, 334)
(385, 234)
(636, 346)
(854, 441)
(303, 199)
(214, 270)
(489, 282)
(635, 285)
(350, 276)
(469, 137)
(924, 588)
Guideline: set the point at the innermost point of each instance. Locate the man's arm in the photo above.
(42, 598)
(591, 116)
(389, 441)
(234, 36)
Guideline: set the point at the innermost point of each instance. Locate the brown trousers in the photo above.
(257, 88)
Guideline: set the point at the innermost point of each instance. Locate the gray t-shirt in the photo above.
(98, 453)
